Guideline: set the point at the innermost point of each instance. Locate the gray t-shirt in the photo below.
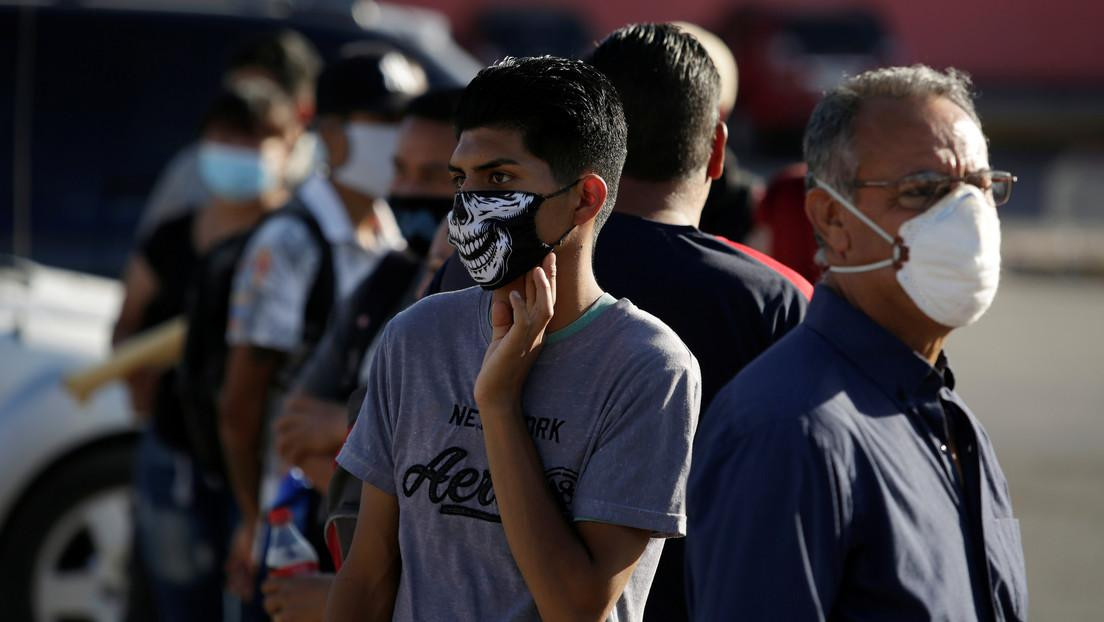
(611, 403)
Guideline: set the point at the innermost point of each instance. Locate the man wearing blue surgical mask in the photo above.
(359, 101)
(840, 476)
(289, 61)
(244, 144)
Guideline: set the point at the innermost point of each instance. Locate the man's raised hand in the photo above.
(518, 323)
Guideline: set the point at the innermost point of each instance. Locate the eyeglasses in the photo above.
(922, 190)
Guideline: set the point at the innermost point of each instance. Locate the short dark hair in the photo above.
(290, 59)
(255, 107)
(568, 113)
(671, 93)
(439, 105)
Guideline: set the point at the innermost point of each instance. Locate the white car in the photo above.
(65, 521)
(65, 508)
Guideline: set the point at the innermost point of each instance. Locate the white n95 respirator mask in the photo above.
(947, 258)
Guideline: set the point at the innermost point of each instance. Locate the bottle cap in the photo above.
(279, 516)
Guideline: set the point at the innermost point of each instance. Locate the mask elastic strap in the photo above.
(566, 233)
(868, 267)
(900, 251)
(556, 194)
(561, 191)
(854, 210)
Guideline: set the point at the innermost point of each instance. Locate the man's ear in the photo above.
(592, 195)
(823, 213)
(715, 168)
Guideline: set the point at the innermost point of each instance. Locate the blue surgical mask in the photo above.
(235, 173)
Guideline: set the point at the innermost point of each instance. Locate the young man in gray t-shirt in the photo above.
(578, 407)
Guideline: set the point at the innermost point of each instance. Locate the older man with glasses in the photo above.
(839, 476)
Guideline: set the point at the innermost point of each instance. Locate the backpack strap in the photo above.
(343, 498)
(377, 300)
(320, 299)
(203, 363)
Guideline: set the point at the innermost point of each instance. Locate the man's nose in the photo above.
(460, 213)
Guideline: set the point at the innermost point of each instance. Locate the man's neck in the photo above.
(676, 202)
(223, 219)
(576, 289)
(237, 213)
(359, 207)
(362, 215)
(273, 199)
(915, 330)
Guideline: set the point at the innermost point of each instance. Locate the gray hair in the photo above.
(830, 132)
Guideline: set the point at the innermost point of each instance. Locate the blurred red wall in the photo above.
(1053, 42)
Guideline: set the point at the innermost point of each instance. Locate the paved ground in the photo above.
(1033, 371)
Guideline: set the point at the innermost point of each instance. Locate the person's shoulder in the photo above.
(444, 311)
(760, 274)
(800, 379)
(444, 301)
(178, 223)
(171, 234)
(731, 269)
(776, 272)
(283, 234)
(637, 333)
(278, 228)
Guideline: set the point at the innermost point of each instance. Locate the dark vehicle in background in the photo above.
(788, 59)
(97, 100)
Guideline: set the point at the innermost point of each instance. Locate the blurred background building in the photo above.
(98, 95)
(97, 90)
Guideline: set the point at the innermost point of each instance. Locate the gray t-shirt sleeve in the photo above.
(637, 474)
(368, 451)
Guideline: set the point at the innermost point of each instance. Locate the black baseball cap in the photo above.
(374, 82)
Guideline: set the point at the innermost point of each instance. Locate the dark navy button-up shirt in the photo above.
(823, 487)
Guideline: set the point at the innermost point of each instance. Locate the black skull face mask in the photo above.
(495, 233)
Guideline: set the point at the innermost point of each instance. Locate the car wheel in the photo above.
(65, 552)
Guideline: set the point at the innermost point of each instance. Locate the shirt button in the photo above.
(943, 448)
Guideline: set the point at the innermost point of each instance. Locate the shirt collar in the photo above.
(900, 371)
(321, 198)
